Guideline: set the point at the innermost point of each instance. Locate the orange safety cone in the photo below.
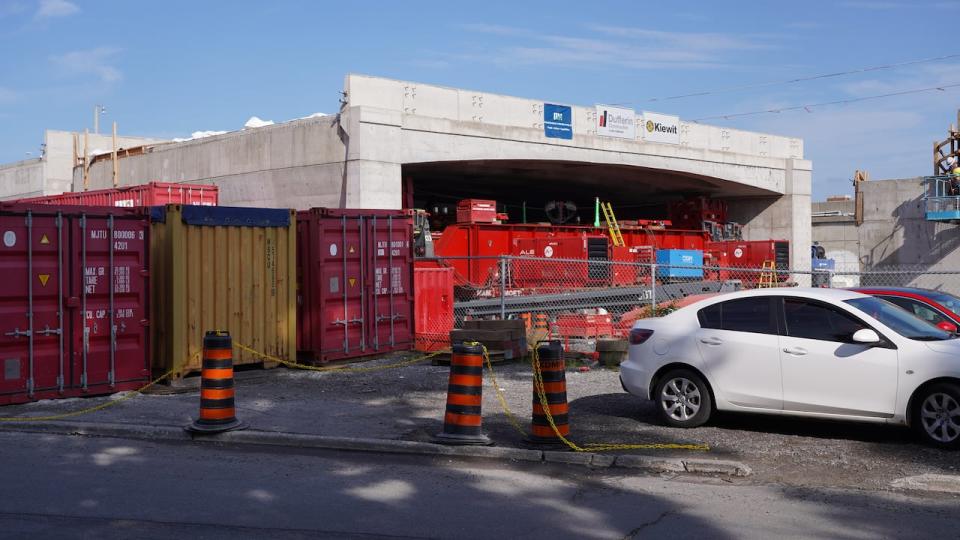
(554, 376)
(463, 421)
(217, 405)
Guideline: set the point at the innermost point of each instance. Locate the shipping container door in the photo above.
(389, 282)
(111, 295)
(31, 336)
(341, 268)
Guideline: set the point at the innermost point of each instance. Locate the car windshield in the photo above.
(899, 320)
(946, 300)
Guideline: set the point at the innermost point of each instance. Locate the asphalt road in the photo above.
(77, 487)
(408, 404)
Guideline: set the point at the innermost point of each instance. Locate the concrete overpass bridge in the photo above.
(397, 143)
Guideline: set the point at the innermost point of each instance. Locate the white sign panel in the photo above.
(616, 122)
(661, 128)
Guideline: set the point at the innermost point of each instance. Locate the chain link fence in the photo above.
(580, 301)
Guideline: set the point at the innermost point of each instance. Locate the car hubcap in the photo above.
(940, 415)
(680, 399)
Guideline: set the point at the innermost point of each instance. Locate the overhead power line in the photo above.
(808, 107)
(803, 79)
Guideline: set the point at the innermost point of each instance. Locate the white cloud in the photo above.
(804, 25)
(56, 8)
(90, 62)
(7, 95)
(702, 41)
(873, 4)
(637, 48)
(11, 8)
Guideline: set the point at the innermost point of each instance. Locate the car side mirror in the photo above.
(947, 326)
(866, 336)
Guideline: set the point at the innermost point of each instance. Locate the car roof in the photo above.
(807, 292)
(908, 290)
(827, 295)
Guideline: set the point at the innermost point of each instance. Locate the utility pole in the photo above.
(116, 168)
(97, 111)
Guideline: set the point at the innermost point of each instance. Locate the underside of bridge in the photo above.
(636, 192)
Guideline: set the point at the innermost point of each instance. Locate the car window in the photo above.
(919, 309)
(898, 319)
(946, 300)
(741, 315)
(710, 317)
(812, 320)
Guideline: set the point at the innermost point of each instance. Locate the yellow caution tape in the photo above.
(338, 369)
(542, 396)
(129, 395)
(496, 387)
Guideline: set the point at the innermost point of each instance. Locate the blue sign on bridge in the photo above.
(557, 121)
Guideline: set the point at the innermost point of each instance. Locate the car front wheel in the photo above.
(683, 399)
(937, 415)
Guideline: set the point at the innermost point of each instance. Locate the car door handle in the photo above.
(796, 351)
(711, 341)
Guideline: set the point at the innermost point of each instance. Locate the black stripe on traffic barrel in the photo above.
(210, 363)
(216, 383)
(465, 390)
(466, 370)
(225, 403)
(463, 409)
(558, 419)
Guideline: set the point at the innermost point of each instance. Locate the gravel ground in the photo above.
(407, 403)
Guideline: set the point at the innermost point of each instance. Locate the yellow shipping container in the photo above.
(221, 268)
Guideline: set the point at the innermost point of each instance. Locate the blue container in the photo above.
(823, 264)
(675, 263)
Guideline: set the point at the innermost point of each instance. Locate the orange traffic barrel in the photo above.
(541, 322)
(554, 376)
(463, 421)
(218, 411)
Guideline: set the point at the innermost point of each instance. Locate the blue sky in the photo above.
(169, 68)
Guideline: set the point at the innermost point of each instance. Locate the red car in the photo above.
(936, 307)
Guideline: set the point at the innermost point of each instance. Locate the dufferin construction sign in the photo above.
(661, 128)
(616, 122)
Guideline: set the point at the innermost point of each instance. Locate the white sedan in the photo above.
(823, 353)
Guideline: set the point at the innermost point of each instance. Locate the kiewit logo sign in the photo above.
(661, 128)
(616, 122)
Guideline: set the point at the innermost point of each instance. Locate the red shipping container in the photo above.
(73, 301)
(355, 283)
(152, 194)
(476, 211)
(433, 306)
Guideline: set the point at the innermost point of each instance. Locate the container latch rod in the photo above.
(49, 331)
(19, 333)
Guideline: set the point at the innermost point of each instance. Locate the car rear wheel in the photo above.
(936, 416)
(683, 399)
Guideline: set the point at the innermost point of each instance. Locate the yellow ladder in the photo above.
(612, 224)
(768, 276)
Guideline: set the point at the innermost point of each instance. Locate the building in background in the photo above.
(52, 172)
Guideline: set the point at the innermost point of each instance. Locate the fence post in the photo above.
(653, 290)
(503, 288)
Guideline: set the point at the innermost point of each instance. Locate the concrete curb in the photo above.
(303, 440)
(937, 483)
